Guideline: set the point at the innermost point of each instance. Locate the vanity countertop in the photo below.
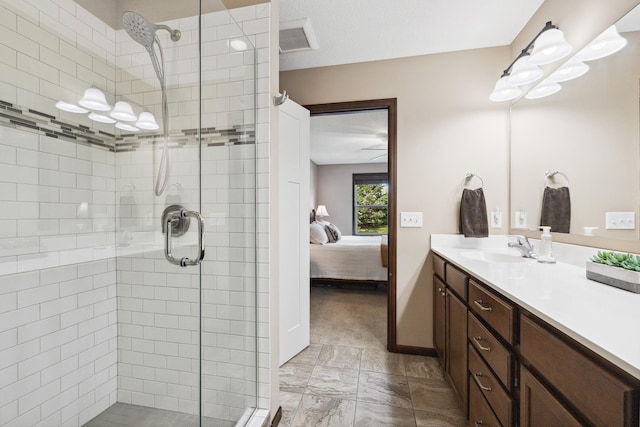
(603, 318)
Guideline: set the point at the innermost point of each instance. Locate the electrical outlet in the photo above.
(520, 219)
(620, 220)
(496, 219)
(411, 219)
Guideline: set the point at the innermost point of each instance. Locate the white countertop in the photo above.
(603, 318)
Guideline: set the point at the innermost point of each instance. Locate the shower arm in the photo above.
(175, 34)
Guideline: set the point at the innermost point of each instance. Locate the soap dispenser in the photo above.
(545, 253)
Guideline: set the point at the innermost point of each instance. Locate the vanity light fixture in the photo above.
(71, 108)
(95, 103)
(147, 121)
(504, 91)
(94, 99)
(101, 118)
(123, 111)
(127, 127)
(546, 47)
(544, 88)
(572, 69)
(607, 43)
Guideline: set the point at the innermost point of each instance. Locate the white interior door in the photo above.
(294, 207)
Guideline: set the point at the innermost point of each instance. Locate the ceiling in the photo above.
(350, 31)
(346, 138)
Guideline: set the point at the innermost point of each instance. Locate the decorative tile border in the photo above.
(46, 124)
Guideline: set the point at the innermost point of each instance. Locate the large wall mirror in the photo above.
(590, 133)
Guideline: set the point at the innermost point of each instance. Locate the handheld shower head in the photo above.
(144, 32)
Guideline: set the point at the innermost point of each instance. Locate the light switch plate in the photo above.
(496, 219)
(411, 219)
(620, 220)
(520, 219)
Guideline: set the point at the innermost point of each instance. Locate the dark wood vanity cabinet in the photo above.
(510, 368)
(450, 326)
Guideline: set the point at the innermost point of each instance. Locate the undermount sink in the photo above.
(498, 256)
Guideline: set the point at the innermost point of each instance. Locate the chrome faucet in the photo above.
(523, 245)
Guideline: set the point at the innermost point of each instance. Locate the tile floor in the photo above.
(347, 378)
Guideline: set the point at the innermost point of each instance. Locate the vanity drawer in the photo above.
(490, 387)
(457, 281)
(494, 353)
(595, 392)
(480, 414)
(438, 267)
(499, 314)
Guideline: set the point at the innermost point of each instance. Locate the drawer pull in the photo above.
(479, 303)
(482, 386)
(480, 346)
(479, 423)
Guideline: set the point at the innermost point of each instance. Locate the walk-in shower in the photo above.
(144, 33)
(97, 327)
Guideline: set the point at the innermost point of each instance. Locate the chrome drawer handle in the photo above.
(479, 303)
(482, 386)
(479, 423)
(480, 346)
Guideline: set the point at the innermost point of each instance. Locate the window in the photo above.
(370, 203)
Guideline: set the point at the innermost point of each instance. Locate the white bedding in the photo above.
(350, 258)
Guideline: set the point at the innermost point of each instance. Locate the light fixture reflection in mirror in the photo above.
(589, 130)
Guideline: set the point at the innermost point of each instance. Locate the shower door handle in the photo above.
(168, 220)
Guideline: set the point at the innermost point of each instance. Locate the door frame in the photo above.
(391, 105)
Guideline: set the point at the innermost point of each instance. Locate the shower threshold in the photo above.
(125, 415)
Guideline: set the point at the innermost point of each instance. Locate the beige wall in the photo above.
(446, 128)
(313, 199)
(334, 189)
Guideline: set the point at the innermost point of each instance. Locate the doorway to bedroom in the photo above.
(353, 190)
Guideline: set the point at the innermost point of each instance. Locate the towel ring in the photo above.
(470, 175)
(551, 173)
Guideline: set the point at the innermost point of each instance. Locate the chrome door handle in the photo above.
(168, 219)
(477, 375)
(479, 303)
(480, 346)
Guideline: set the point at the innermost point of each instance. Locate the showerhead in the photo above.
(144, 32)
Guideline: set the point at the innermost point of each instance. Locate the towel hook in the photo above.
(551, 174)
(470, 175)
(280, 98)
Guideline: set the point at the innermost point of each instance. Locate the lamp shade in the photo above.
(607, 43)
(71, 108)
(123, 111)
(94, 99)
(147, 121)
(549, 47)
(523, 72)
(322, 211)
(544, 88)
(572, 69)
(504, 91)
(127, 127)
(101, 118)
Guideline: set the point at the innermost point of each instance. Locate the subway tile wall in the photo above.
(54, 50)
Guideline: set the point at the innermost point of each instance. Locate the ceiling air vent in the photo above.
(297, 35)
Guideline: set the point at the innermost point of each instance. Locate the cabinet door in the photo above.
(457, 349)
(439, 322)
(538, 408)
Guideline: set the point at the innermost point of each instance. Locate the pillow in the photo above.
(317, 234)
(333, 234)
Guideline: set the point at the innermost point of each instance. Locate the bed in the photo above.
(352, 259)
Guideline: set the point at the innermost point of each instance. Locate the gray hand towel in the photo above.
(556, 209)
(473, 214)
